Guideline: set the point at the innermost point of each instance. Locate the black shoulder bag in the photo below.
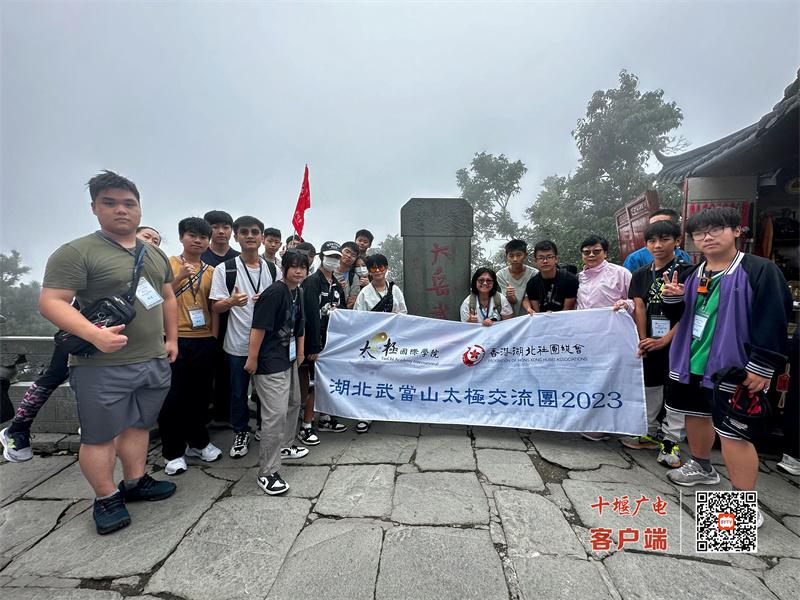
(386, 303)
(105, 312)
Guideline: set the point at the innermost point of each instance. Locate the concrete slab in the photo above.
(358, 491)
(440, 499)
(440, 562)
(379, 449)
(666, 578)
(241, 544)
(18, 478)
(504, 438)
(343, 554)
(571, 451)
(25, 522)
(156, 528)
(509, 468)
(534, 526)
(445, 452)
(560, 578)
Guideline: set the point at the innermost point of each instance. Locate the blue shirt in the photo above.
(643, 257)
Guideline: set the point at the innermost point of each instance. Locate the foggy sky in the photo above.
(220, 105)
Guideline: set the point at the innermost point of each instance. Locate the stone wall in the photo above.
(23, 359)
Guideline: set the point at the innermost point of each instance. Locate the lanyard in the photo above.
(189, 285)
(250, 279)
(293, 298)
(485, 314)
(714, 280)
(138, 259)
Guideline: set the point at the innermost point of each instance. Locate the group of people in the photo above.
(712, 336)
(216, 328)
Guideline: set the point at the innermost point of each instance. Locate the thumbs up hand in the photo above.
(238, 298)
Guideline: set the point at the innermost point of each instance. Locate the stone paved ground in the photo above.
(406, 511)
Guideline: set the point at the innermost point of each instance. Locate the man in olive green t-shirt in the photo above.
(121, 387)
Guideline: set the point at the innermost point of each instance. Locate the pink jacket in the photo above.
(603, 285)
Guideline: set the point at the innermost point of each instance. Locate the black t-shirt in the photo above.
(551, 293)
(647, 283)
(212, 259)
(278, 312)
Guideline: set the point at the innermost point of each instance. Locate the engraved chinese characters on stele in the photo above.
(654, 538)
(437, 234)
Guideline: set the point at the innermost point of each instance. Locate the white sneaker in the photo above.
(294, 452)
(789, 464)
(208, 454)
(759, 518)
(176, 466)
(240, 444)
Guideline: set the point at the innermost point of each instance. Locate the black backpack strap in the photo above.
(273, 270)
(230, 274)
(141, 250)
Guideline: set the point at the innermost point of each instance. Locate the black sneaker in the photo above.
(110, 514)
(148, 489)
(308, 436)
(294, 452)
(273, 484)
(331, 424)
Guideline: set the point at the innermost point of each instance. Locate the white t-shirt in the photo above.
(237, 336)
(368, 297)
(493, 314)
(504, 277)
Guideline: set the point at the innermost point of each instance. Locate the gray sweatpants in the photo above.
(279, 394)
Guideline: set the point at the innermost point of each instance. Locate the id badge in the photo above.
(147, 294)
(197, 316)
(292, 349)
(699, 325)
(659, 326)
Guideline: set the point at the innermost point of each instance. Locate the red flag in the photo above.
(303, 203)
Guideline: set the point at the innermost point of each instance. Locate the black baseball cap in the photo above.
(330, 249)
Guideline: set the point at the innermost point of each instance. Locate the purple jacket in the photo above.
(754, 305)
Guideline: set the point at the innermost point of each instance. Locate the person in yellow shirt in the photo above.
(182, 421)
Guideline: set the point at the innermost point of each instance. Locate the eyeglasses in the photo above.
(592, 251)
(485, 282)
(547, 258)
(699, 236)
(379, 269)
(246, 231)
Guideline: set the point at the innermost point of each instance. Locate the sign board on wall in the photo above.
(632, 220)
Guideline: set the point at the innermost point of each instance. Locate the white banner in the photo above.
(567, 371)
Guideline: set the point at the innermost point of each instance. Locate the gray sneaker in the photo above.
(16, 445)
(691, 473)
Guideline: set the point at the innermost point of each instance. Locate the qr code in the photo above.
(726, 521)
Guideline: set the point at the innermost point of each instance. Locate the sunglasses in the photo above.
(380, 269)
(593, 252)
(246, 231)
(485, 282)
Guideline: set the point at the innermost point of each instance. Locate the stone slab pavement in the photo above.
(406, 511)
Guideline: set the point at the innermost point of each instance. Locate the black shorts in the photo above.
(697, 401)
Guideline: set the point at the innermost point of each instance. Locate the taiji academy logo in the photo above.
(379, 343)
(474, 355)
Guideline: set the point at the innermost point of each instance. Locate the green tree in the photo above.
(622, 128)
(19, 301)
(488, 184)
(392, 249)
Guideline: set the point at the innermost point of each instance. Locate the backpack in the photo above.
(473, 302)
(230, 273)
